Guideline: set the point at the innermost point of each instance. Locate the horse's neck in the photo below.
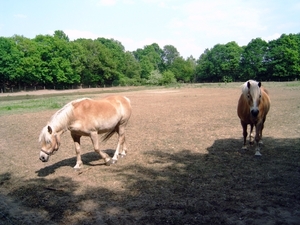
(59, 125)
(58, 128)
(61, 119)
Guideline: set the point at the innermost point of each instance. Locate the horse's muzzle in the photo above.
(254, 112)
(43, 159)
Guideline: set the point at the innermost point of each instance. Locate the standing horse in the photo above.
(87, 117)
(253, 107)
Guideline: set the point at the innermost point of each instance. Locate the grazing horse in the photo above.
(253, 107)
(87, 117)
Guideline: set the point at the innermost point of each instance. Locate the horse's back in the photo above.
(121, 103)
(102, 115)
(111, 106)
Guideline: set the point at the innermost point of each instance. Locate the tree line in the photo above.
(53, 61)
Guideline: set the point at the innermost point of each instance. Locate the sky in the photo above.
(191, 26)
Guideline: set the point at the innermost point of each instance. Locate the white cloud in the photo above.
(272, 37)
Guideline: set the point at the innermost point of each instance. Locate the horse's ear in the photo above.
(259, 84)
(248, 84)
(49, 130)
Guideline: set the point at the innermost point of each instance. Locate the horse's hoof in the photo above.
(77, 166)
(244, 148)
(258, 154)
(122, 156)
(111, 161)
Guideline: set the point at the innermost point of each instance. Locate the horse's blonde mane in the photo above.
(59, 120)
(245, 87)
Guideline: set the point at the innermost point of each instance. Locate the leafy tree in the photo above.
(168, 77)
(146, 66)
(169, 54)
(132, 72)
(61, 35)
(283, 57)
(10, 59)
(253, 60)
(182, 69)
(29, 71)
(193, 63)
(77, 60)
(204, 67)
(117, 52)
(155, 78)
(56, 55)
(231, 60)
(221, 63)
(45, 49)
(99, 66)
(150, 58)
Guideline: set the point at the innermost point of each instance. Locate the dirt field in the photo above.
(183, 166)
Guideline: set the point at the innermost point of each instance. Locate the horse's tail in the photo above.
(108, 135)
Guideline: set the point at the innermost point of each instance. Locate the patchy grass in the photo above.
(31, 105)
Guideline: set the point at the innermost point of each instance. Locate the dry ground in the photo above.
(183, 166)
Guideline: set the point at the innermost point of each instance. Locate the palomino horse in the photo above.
(253, 107)
(87, 117)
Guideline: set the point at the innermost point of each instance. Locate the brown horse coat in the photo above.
(253, 107)
(88, 117)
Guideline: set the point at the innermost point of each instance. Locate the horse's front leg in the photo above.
(244, 125)
(94, 138)
(258, 132)
(76, 140)
(251, 136)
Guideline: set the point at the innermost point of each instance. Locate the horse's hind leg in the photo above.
(94, 138)
(121, 143)
(124, 150)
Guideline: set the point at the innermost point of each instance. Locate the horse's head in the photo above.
(50, 143)
(253, 92)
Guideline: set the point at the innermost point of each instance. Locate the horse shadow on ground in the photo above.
(90, 158)
(223, 186)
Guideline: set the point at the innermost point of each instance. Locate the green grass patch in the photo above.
(32, 105)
